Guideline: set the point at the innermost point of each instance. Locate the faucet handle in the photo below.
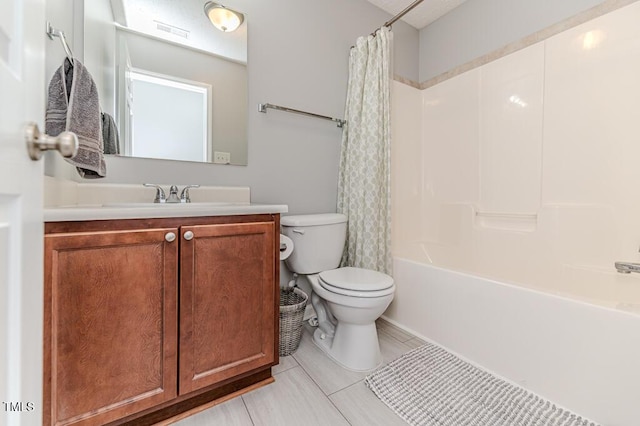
(160, 195)
(184, 195)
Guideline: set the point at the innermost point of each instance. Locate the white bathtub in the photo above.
(583, 357)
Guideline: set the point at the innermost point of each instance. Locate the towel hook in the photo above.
(54, 32)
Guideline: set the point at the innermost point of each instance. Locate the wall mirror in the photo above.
(175, 84)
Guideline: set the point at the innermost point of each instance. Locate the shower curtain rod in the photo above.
(400, 15)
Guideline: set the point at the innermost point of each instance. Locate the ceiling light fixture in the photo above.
(222, 18)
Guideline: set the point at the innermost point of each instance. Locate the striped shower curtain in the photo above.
(364, 190)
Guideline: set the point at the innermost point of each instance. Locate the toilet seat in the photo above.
(356, 282)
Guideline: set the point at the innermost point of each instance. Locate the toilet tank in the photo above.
(318, 241)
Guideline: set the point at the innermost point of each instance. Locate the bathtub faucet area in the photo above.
(627, 267)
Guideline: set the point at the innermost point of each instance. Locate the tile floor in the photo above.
(312, 390)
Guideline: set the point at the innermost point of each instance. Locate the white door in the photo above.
(22, 93)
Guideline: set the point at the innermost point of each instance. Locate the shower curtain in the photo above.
(364, 190)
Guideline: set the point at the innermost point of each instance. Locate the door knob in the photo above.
(170, 236)
(66, 143)
(188, 235)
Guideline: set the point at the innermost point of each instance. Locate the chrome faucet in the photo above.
(184, 195)
(627, 267)
(160, 196)
(173, 195)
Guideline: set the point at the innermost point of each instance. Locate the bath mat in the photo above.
(432, 387)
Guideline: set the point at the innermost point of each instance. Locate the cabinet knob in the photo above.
(188, 235)
(170, 236)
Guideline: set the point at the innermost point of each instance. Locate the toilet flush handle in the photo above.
(298, 231)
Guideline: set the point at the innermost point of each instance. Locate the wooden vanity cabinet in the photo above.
(110, 324)
(140, 326)
(227, 291)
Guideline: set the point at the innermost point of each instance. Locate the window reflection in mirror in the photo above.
(168, 118)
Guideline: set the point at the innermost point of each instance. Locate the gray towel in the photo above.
(73, 105)
(110, 136)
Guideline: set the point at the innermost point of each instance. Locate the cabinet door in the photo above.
(110, 324)
(227, 302)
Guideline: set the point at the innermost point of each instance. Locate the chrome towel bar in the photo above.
(263, 108)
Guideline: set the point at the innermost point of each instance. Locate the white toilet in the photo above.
(347, 300)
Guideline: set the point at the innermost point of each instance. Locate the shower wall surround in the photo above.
(513, 194)
(524, 170)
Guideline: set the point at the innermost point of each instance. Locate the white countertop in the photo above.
(150, 210)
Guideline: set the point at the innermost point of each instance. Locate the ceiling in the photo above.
(424, 14)
(145, 15)
(184, 23)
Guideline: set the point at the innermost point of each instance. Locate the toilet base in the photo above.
(353, 346)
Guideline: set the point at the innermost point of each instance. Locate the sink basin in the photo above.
(109, 211)
(169, 205)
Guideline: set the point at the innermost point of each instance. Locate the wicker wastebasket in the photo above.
(292, 304)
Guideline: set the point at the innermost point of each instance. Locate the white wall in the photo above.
(478, 27)
(300, 62)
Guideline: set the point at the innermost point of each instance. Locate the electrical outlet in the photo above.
(220, 157)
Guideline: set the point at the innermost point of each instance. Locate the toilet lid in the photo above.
(356, 279)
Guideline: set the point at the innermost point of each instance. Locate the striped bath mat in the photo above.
(430, 386)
